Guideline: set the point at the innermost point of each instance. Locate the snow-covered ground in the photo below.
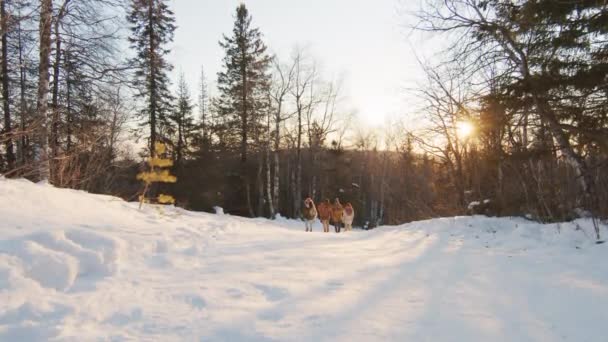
(75, 266)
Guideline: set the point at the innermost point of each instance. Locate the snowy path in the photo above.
(81, 267)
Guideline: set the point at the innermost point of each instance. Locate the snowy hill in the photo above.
(75, 266)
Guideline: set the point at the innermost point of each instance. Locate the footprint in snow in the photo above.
(272, 293)
(124, 318)
(196, 301)
(235, 293)
(270, 315)
(334, 285)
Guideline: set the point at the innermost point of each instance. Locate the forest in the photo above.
(515, 113)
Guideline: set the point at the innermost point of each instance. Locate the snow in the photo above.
(473, 204)
(76, 266)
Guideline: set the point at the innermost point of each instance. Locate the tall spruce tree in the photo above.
(244, 79)
(152, 28)
(243, 101)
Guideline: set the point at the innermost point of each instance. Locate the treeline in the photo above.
(60, 74)
(532, 77)
(516, 113)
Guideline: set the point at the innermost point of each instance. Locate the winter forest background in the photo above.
(515, 113)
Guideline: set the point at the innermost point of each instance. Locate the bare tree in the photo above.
(320, 121)
(304, 97)
(283, 79)
(54, 133)
(447, 99)
(10, 155)
(536, 53)
(41, 154)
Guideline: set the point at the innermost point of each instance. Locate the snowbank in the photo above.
(76, 266)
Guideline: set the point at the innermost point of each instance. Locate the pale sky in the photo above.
(364, 42)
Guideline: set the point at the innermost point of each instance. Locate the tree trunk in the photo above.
(294, 191)
(288, 181)
(22, 142)
(277, 167)
(180, 142)
(276, 183)
(55, 118)
(54, 136)
(383, 187)
(41, 155)
(248, 195)
(203, 112)
(260, 182)
(565, 147)
(297, 198)
(267, 162)
(583, 176)
(314, 183)
(10, 156)
(153, 66)
(269, 189)
(69, 118)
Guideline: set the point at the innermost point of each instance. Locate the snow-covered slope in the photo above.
(75, 266)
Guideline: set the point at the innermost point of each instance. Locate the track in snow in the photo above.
(118, 273)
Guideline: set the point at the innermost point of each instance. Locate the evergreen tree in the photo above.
(243, 101)
(152, 28)
(244, 80)
(182, 121)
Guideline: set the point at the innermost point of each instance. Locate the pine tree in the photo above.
(157, 173)
(245, 78)
(182, 121)
(152, 28)
(244, 101)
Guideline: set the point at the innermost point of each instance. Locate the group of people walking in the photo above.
(326, 212)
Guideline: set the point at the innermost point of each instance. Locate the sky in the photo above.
(365, 43)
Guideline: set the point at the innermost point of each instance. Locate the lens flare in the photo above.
(465, 129)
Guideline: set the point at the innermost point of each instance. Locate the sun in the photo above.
(464, 129)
